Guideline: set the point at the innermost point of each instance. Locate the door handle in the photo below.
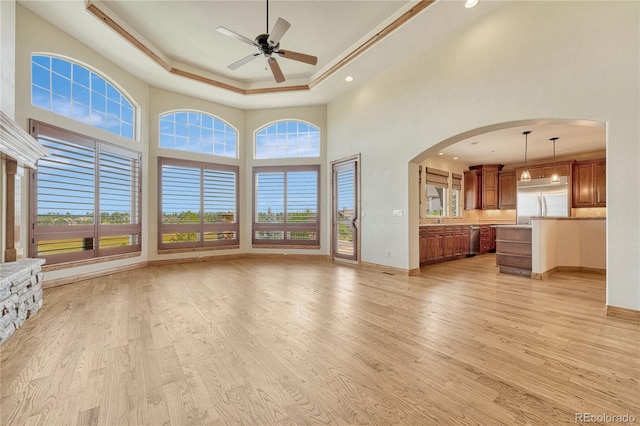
(539, 207)
(355, 222)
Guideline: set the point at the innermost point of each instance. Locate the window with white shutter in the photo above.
(85, 198)
(198, 204)
(286, 206)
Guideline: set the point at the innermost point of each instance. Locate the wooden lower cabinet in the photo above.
(513, 254)
(443, 242)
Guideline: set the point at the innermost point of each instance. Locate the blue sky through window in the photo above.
(198, 132)
(287, 139)
(72, 90)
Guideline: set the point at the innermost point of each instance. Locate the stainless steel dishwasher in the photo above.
(474, 243)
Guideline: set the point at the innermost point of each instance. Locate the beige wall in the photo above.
(514, 64)
(575, 243)
(37, 35)
(256, 119)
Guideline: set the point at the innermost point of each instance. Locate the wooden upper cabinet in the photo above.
(471, 190)
(546, 170)
(507, 190)
(481, 187)
(600, 182)
(590, 183)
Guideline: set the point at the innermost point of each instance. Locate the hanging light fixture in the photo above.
(554, 177)
(525, 176)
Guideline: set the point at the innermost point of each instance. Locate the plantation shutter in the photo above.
(286, 205)
(220, 202)
(85, 198)
(119, 189)
(436, 177)
(198, 204)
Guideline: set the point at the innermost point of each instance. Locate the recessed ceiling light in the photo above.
(470, 3)
(455, 158)
(348, 78)
(441, 153)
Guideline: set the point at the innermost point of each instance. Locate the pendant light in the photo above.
(554, 177)
(525, 176)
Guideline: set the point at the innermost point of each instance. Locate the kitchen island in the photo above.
(513, 249)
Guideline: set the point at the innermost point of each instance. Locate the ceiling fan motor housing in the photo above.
(263, 44)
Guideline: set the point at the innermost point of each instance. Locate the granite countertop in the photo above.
(511, 226)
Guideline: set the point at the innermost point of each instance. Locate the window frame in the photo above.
(286, 122)
(285, 226)
(97, 230)
(201, 227)
(74, 98)
(200, 140)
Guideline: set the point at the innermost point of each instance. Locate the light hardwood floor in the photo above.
(312, 342)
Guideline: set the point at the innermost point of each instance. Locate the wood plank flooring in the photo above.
(262, 342)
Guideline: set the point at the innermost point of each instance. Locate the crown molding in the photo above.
(104, 17)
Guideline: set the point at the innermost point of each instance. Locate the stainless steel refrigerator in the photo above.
(540, 197)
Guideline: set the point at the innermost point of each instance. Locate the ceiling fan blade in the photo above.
(278, 31)
(229, 33)
(275, 69)
(300, 57)
(241, 62)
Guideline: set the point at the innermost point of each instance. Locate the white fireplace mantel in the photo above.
(17, 144)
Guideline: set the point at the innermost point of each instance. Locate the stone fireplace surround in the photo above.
(20, 280)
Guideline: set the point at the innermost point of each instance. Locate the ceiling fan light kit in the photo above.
(268, 45)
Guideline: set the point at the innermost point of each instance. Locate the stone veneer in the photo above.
(20, 294)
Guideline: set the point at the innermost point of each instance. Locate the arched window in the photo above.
(198, 132)
(74, 91)
(287, 139)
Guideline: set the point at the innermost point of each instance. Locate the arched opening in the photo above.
(580, 144)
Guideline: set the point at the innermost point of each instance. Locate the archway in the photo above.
(515, 128)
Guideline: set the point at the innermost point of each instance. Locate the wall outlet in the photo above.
(397, 212)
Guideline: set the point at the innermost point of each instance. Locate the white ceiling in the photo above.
(183, 33)
(507, 146)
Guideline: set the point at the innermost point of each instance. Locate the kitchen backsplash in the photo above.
(508, 216)
(479, 216)
(589, 212)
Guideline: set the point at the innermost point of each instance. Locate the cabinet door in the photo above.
(466, 240)
(583, 185)
(470, 190)
(600, 183)
(490, 189)
(562, 169)
(423, 248)
(485, 235)
(448, 244)
(435, 247)
(457, 242)
(507, 191)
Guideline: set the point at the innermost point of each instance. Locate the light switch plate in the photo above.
(397, 212)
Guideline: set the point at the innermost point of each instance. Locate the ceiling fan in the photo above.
(268, 45)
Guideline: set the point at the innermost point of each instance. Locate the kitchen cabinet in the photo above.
(508, 191)
(590, 183)
(546, 170)
(481, 187)
(443, 242)
(513, 252)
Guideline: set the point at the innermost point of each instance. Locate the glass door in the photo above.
(345, 222)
